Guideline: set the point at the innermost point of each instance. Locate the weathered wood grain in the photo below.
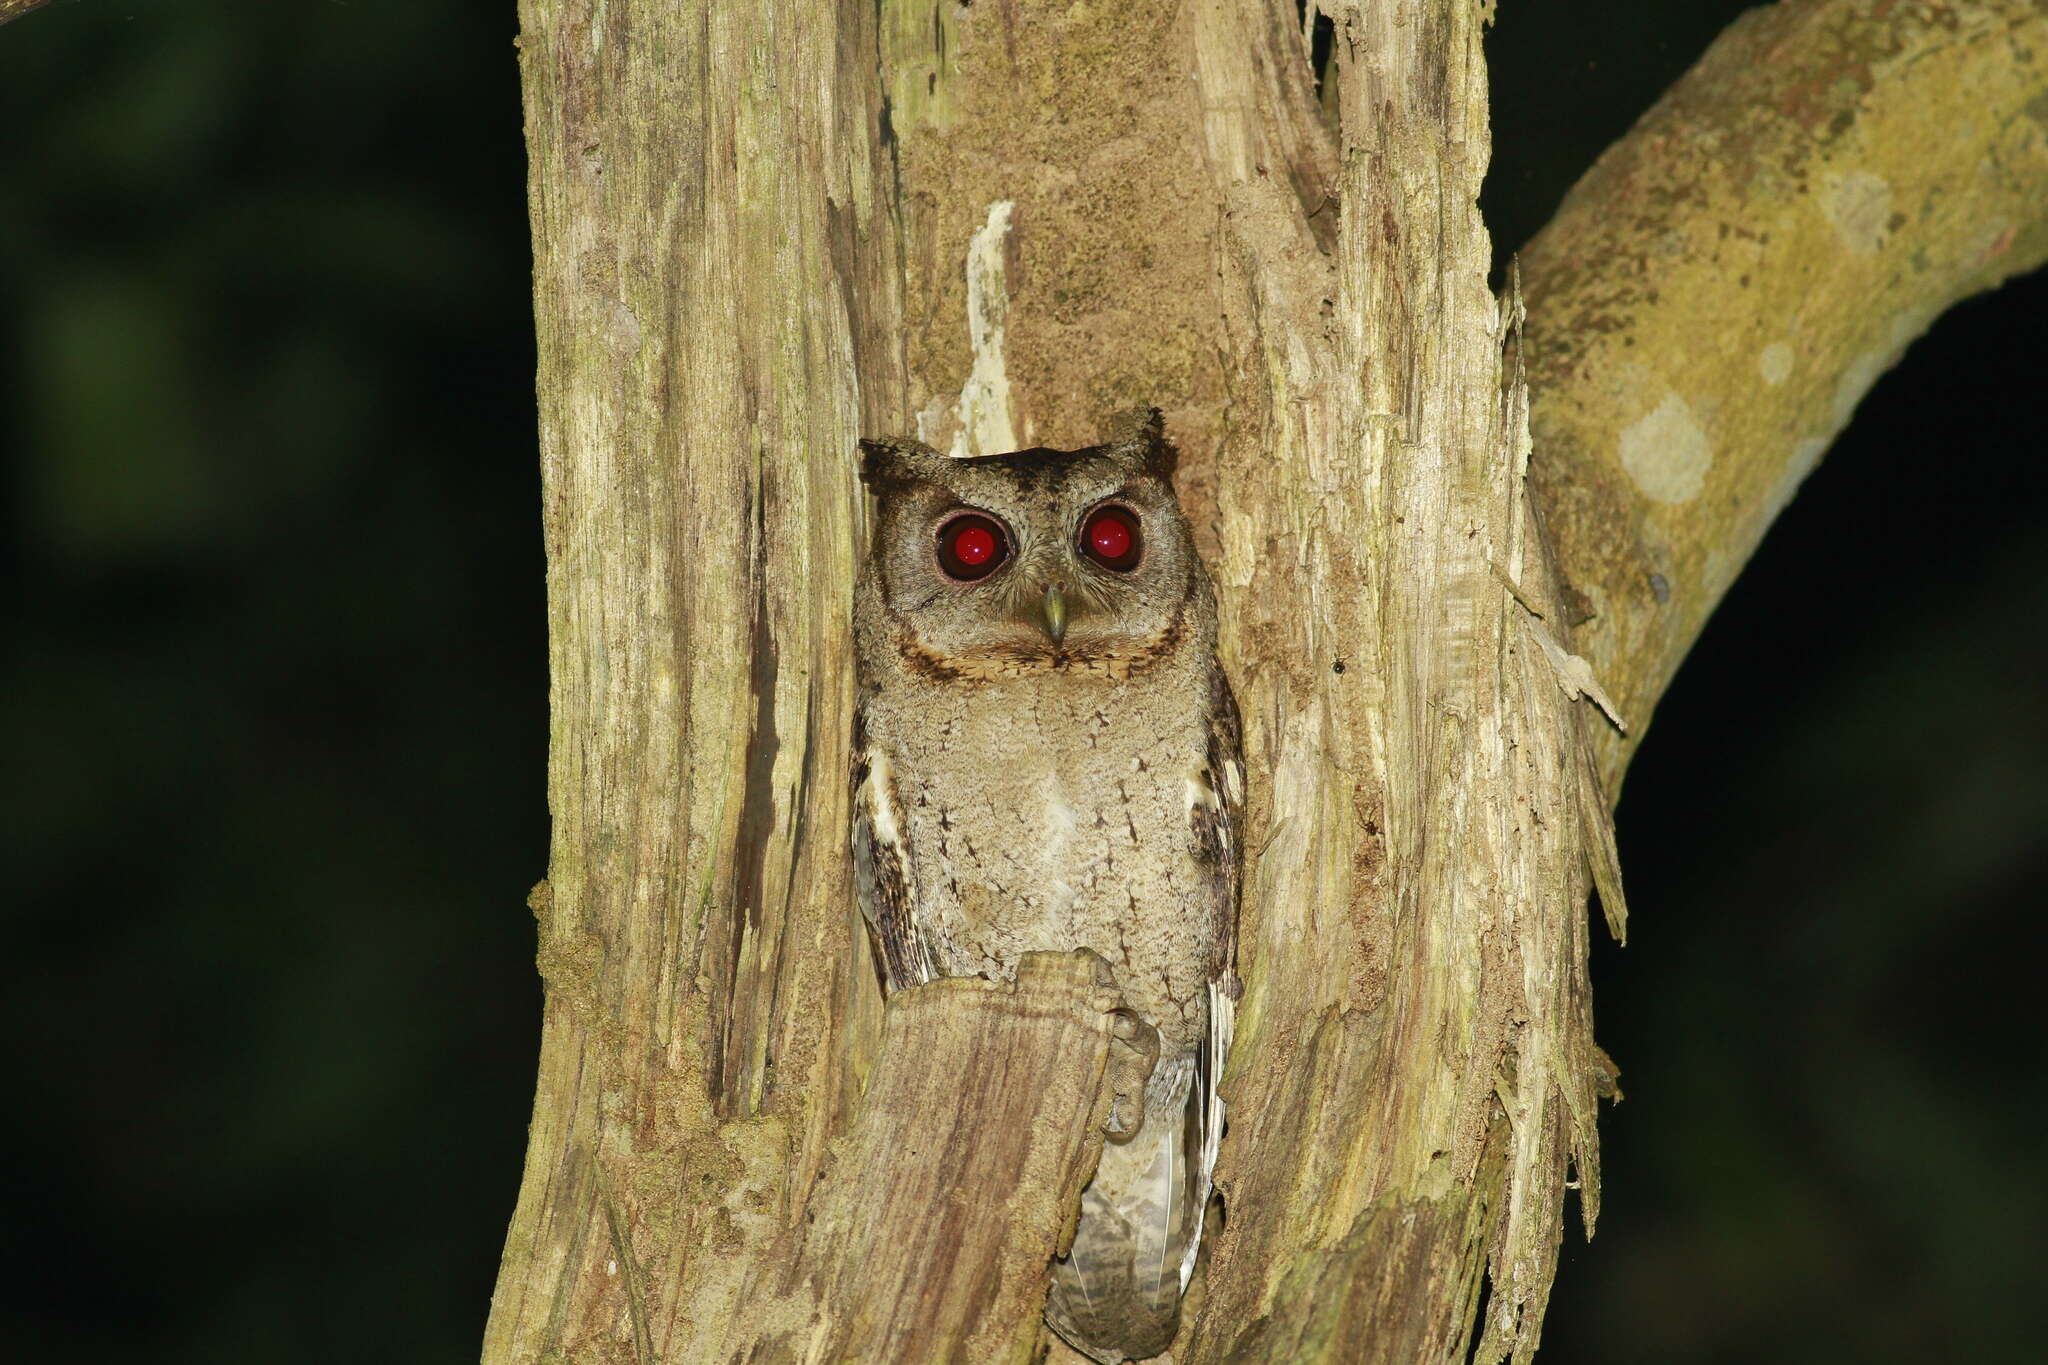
(713, 257)
(933, 1230)
(1415, 1071)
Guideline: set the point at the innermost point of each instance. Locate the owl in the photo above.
(1047, 757)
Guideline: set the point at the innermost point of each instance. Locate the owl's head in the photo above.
(1038, 560)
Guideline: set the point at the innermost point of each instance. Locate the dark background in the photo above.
(274, 711)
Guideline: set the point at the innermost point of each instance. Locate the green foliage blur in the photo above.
(274, 707)
(273, 690)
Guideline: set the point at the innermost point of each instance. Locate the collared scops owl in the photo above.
(1047, 757)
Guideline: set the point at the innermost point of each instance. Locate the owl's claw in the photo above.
(1133, 1052)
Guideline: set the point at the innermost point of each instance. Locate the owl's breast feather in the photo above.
(1059, 819)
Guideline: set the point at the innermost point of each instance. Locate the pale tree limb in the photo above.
(1716, 295)
(14, 9)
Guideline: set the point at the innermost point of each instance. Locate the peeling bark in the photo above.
(1420, 1070)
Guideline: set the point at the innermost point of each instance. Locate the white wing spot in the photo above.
(882, 809)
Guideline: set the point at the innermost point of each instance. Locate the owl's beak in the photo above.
(1052, 614)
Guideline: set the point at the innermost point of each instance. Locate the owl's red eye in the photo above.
(1110, 537)
(971, 546)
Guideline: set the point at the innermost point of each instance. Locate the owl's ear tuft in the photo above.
(898, 462)
(1141, 433)
(1162, 456)
(881, 464)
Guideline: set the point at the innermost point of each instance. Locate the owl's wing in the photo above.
(1117, 1294)
(881, 870)
(1217, 813)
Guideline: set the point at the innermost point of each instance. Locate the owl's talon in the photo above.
(1118, 1127)
(1114, 1125)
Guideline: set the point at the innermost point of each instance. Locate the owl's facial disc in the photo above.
(1036, 561)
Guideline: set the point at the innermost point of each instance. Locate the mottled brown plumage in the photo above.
(1047, 758)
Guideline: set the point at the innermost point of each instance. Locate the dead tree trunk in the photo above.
(762, 232)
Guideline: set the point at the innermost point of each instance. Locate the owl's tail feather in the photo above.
(1116, 1296)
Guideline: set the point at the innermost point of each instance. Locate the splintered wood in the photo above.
(981, 1087)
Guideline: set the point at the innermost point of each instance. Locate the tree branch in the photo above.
(14, 9)
(1716, 295)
